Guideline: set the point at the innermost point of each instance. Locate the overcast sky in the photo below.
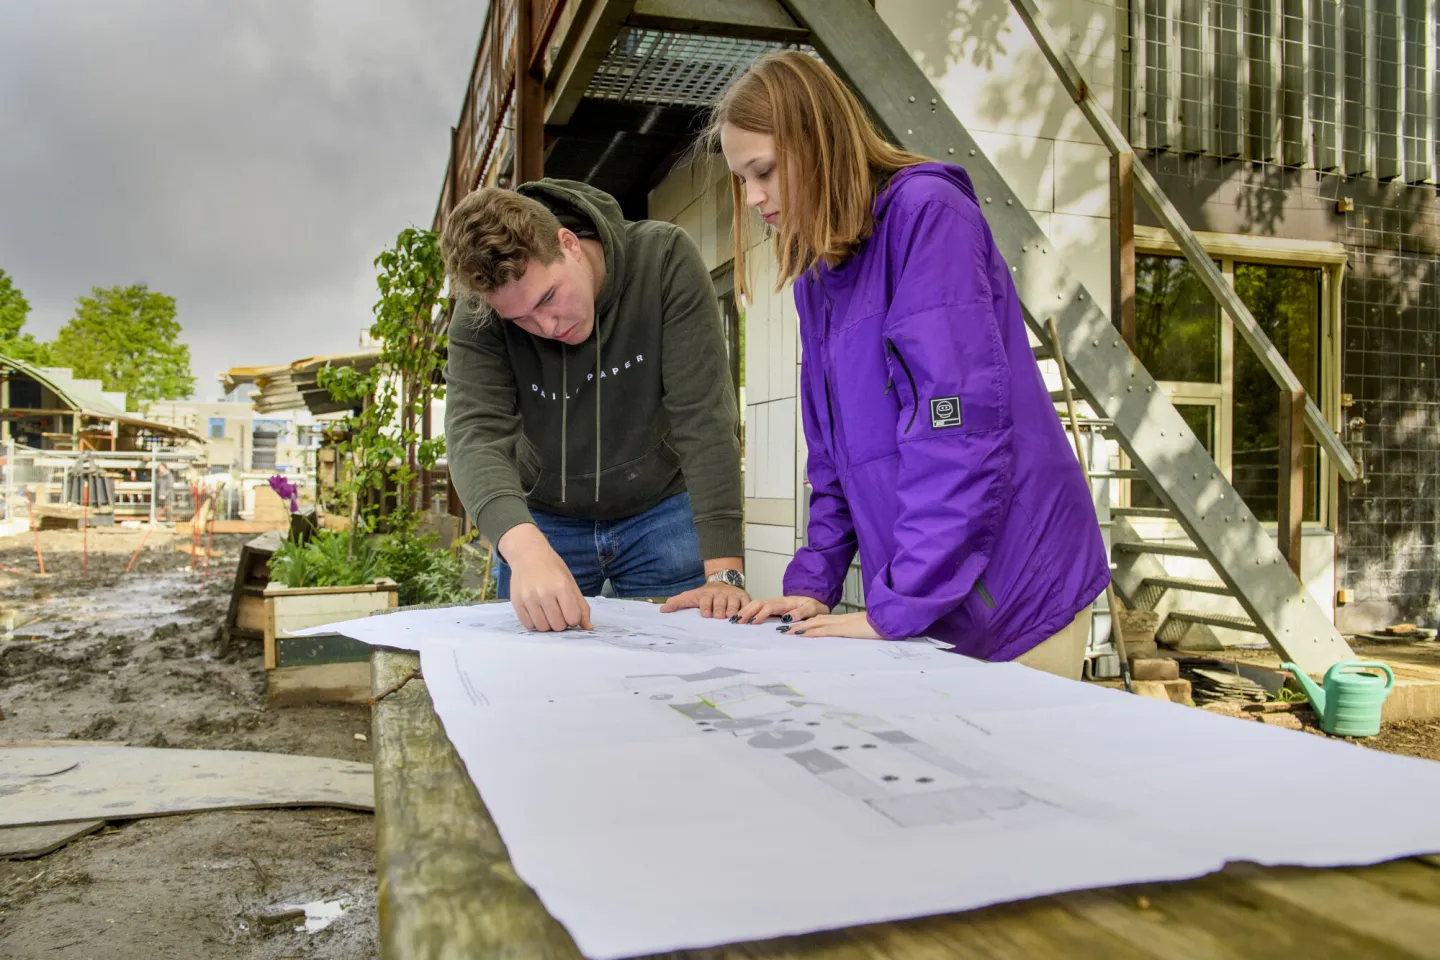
(248, 158)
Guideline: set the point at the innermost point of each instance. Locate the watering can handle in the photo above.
(1359, 665)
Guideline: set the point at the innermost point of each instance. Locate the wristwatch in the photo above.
(733, 577)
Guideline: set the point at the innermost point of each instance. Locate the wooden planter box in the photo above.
(320, 669)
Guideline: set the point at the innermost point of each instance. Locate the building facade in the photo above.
(1298, 139)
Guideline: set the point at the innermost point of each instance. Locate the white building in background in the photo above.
(237, 439)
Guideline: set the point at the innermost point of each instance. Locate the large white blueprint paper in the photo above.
(668, 782)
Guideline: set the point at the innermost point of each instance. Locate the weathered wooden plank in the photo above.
(377, 586)
(319, 683)
(1370, 907)
(447, 888)
(1251, 923)
(327, 648)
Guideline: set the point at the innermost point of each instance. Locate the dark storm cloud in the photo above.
(248, 158)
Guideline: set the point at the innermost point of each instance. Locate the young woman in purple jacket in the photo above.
(934, 447)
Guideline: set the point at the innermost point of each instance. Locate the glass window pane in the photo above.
(1201, 419)
(1177, 322)
(1286, 303)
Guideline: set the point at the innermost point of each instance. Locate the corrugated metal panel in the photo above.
(1231, 78)
(1418, 28)
(1355, 88)
(1295, 85)
(1140, 74)
(1389, 90)
(1323, 66)
(1162, 73)
(1193, 71)
(1348, 85)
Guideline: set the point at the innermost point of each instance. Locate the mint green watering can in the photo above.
(1349, 705)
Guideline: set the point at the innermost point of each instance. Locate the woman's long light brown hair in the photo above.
(830, 160)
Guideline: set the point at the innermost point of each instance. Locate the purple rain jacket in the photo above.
(933, 443)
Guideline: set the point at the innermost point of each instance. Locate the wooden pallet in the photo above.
(320, 669)
(245, 619)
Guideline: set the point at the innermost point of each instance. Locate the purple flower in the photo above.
(286, 491)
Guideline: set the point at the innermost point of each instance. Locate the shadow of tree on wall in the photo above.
(975, 33)
(1388, 525)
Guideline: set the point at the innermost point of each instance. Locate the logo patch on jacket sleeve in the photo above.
(944, 412)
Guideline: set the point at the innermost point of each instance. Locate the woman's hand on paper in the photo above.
(786, 608)
(855, 625)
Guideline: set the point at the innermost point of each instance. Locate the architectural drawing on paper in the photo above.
(866, 757)
(657, 638)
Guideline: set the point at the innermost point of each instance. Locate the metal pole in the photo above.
(154, 485)
(1291, 508)
(529, 99)
(1122, 245)
(9, 478)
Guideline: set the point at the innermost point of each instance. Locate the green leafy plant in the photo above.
(328, 559)
(385, 449)
(425, 574)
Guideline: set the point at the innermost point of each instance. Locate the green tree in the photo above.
(128, 339)
(14, 310)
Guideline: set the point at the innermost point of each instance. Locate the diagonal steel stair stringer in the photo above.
(859, 46)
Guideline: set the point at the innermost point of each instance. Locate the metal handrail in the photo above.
(1149, 188)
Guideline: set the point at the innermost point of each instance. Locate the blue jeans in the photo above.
(652, 554)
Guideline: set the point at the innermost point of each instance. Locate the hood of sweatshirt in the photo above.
(568, 198)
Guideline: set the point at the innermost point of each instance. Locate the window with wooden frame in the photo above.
(1212, 376)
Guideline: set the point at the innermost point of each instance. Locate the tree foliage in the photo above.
(128, 339)
(385, 448)
(14, 311)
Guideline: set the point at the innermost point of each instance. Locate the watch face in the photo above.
(733, 577)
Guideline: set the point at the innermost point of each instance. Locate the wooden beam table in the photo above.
(448, 890)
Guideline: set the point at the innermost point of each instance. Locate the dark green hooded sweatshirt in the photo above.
(606, 429)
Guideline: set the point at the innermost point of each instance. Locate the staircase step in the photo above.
(1042, 351)
(1226, 620)
(1158, 549)
(1158, 513)
(1117, 475)
(1216, 587)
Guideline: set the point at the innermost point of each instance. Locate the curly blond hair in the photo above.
(492, 235)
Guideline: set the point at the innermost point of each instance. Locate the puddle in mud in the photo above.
(144, 603)
(319, 914)
(11, 620)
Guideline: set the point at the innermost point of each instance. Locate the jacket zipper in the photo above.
(825, 371)
(985, 597)
(914, 393)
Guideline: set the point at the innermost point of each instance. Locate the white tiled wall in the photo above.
(990, 71)
(986, 66)
(697, 197)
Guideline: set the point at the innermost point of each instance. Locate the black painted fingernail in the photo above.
(735, 619)
(786, 619)
(799, 633)
(782, 629)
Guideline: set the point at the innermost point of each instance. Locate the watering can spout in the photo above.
(1312, 689)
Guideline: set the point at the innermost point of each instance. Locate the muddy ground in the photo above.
(139, 658)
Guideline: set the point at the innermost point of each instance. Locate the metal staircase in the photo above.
(1119, 391)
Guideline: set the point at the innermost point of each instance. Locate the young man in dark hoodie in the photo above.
(590, 419)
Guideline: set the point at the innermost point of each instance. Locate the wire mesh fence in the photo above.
(1338, 85)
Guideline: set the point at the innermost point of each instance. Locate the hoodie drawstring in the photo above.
(597, 409)
(564, 409)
